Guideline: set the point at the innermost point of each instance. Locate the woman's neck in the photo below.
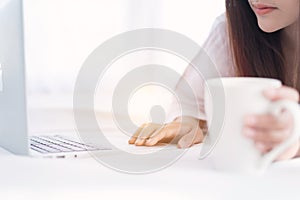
(290, 41)
(289, 37)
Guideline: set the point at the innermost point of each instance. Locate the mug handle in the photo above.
(275, 108)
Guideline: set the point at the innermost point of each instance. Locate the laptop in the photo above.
(14, 135)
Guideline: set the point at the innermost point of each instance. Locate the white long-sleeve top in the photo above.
(214, 61)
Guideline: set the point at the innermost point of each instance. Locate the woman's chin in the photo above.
(268, 29)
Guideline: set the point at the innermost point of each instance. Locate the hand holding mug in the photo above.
(267, 130)
(273, 126)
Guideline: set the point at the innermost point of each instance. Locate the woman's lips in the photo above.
(262, 9)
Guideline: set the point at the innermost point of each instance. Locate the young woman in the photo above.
(258, 38)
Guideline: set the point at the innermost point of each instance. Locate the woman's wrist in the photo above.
(186, 119)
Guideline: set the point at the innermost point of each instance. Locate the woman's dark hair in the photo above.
(256, 53)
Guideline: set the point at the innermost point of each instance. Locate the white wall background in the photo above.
(60, 34)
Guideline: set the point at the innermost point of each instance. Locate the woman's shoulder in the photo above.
(220, 22)
(218, 35)
(217, 46)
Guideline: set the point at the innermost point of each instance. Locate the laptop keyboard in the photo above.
(60, 144)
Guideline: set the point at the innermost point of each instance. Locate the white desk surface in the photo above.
(189, 178)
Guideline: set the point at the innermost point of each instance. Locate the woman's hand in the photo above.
(267, 130)
(184, 131)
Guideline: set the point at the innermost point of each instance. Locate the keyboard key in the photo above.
(59, 144)
(38, 149)
(65, 144)
(56, 144)
(44, 147)
(78, 144)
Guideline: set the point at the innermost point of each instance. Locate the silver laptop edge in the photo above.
(13, 119)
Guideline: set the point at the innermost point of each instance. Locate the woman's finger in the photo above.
(263, 147)
(157, 136)
(166, 134)
(169, 133)
(269, 121)
(145, 133)
(136, 134)
(266, 136)
(284, 92)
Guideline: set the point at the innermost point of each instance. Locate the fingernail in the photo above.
(250, 120)
(249, 132)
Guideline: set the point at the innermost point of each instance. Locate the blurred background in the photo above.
(60, 34)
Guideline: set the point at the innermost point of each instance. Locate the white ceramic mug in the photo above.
(227, 102)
